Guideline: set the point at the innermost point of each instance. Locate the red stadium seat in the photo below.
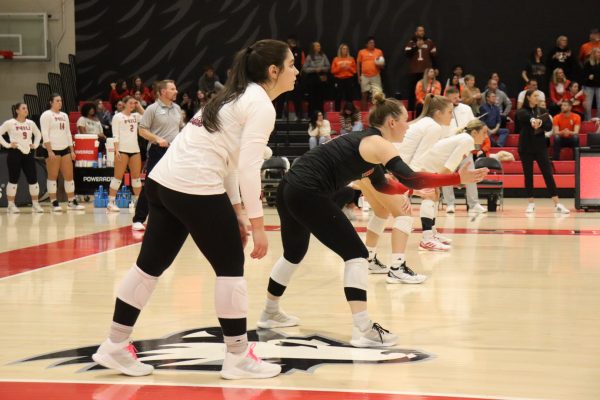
(564, 167)
(328, 105)
(512, 141)
(74, 130)
(74, 116)
(513, 150)
(588, 127)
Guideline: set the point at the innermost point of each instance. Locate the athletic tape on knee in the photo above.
(231, 297)
(11, 189)
(136, 183)
(427, 209)
(136, 287)
(282, 271)
(403, 223)
(356, 273)
(51, 186)
(115, 184)
(34, 189)
(376, 224)
(70, 186)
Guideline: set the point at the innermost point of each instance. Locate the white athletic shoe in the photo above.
(138, 226)
(37, 208)
(13, 209)
(74, 205)
(530, 208)
(248, 366)
(561, 209)
(450, 209)
(112, 208)
(122, 357)
(56, 206)
(441, 238)
(377, 267)
(433, 245)
(374, 336)
(276, 320)
(404, 275)
(477, 209)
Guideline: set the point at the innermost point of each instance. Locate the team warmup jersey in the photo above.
(21, 133)
(56, 129)
(203, 163)
(419, 138)
(447, 153)
(125, 131)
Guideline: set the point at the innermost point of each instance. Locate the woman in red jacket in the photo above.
(118, 91)
(559, 86)
(138, 85)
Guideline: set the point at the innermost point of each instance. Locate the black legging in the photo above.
(155, 153)
(541, 157)
(344, 91)
(18, 161)
(302, 212)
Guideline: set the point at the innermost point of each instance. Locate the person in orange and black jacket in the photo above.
(343, 69)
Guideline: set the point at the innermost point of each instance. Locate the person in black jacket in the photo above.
(533, 122)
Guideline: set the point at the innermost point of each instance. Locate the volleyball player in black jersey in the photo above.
(305, 206)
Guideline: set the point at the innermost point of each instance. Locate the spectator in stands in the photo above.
(561, 56)
(585, 51)
(492, 117)
(145, 92)
(350, 119)
(369, 62)
(186, 106)
(319, 130)
(117, 108)
(591, 83)
(118, 90)
(343, 69)
(502, 100)
(89, 123)
(315, 71)
(427, 85)
(501, 85)
(471, 95)
(209, 81)
(199, 102)
(566, 129)
(103, 116)
(457, 71)
(295, 96)
(533, 122)
(536, 69)
(531, 85)
(421, 51)
(454, 83)
(140, 98)
(559, 86)
(577, 98)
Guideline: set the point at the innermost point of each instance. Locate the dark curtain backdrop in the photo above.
(160, 39)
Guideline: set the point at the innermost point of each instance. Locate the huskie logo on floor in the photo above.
(203, 350)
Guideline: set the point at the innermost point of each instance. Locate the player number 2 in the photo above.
(131, 128)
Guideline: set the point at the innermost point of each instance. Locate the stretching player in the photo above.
(305, 206)
(20, 155)
(127, 150)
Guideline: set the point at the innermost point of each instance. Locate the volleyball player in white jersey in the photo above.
(59, 143)
(194, 189)
(20, 155)
(432, 125)
(127, 150)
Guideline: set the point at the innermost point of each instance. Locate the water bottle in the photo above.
(99, 160)
(104, 161)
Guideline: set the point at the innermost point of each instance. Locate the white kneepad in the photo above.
(403, 223)
(11, 189)
(231, 297)
(34, 189)
(115, 184)
(136, 287)
(282, 271)
(427, 209)
(356, 273)
(51, 186)
(70, 186)
(376, 224)
(136, 183)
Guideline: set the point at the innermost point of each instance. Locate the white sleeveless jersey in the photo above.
(125, 131)
(419, 138)
(203, 163)
(21, 133)
(56, 129)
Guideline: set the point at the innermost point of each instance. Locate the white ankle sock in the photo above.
(119, 333)
(361, 320)
(271, 306)
(372, 252)
(236, 344)
(398, 258)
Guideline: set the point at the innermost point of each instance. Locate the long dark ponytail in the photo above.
(249, 65)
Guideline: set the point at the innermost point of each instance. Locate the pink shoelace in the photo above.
(252, 355)
(132, 350)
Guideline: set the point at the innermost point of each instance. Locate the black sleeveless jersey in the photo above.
(332, 165)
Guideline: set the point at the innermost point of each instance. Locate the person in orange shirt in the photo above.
(586, 49)
(370, 61)
(566, 129)
(426, 86)
(343, 69)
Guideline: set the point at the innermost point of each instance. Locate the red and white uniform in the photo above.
(125, 131)
(21, 133)
(56, 129)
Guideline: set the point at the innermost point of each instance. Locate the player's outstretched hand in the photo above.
(261, 244)
(472, 176)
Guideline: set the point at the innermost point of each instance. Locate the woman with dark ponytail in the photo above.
(195, 189)
(305, 206)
